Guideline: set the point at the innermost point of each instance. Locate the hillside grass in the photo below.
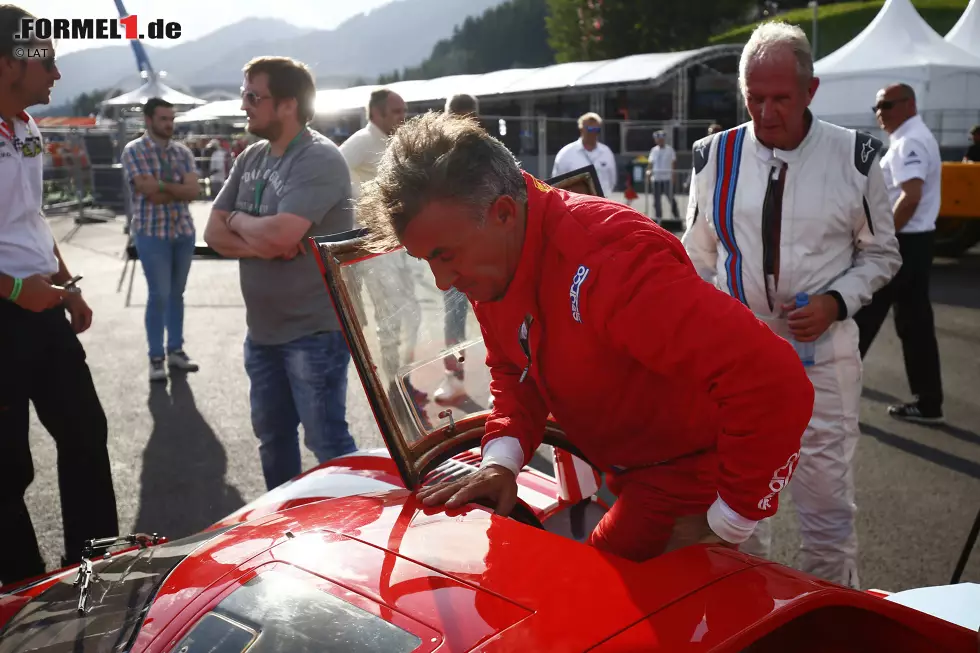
(839, 23)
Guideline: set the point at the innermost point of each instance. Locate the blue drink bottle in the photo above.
(805, 350)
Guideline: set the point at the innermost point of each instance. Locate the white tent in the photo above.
(966, 31)
(899, 46)
(150, 89)
(219, 110)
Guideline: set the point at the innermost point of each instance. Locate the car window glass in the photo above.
(283, 613)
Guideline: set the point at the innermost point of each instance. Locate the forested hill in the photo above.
(511, 35)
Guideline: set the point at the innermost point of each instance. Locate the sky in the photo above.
(200, 17)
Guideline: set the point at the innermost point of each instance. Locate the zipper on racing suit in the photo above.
(772, 222)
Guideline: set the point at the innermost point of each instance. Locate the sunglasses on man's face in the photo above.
(592, 129)
(253, 98)
(885, 105)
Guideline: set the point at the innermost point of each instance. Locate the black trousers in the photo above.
(908, 292)
(42, 362)
(661, 188)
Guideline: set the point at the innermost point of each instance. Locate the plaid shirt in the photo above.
(144, 157)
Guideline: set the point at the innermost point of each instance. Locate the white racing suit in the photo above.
(763, 225)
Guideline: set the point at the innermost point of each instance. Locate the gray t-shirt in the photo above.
(287, 300)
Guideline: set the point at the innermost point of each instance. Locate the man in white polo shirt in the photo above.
(363, 150)
(586, 151)
(396, 308)
(41, 360)
(912, 169)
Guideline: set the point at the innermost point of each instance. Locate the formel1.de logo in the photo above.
(128, 28)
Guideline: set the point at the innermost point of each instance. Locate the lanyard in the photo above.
(260, 182)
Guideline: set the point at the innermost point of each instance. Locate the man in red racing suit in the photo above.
(591, 312)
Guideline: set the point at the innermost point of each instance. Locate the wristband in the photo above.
(15, 293)
(161, 186)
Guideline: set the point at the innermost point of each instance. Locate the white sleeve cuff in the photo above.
(505, 451)
(728, 524)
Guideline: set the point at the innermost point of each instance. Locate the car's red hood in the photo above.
(470, 568)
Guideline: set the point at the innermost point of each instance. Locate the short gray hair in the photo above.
(775, 37)
(436, 157)
(462, 104)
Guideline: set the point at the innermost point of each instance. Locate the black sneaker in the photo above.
(157, 371)
(181, 361)
(911, 412)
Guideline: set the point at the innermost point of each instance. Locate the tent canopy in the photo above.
(151, 89)
(219, 110)
(897, 46)
(522, 81)
(897, 40)
(966, 32)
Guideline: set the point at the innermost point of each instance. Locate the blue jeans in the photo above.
(166, 264)
(303, 381)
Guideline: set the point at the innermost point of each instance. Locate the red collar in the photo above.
(7, 129)
(525, 281)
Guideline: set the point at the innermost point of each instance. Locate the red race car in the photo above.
(343, 558)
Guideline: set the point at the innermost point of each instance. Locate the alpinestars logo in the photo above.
(866, 150)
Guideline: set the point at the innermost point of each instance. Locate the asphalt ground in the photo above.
(184, 455)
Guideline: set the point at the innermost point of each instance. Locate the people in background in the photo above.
(162, 176)
(973, 152)
(661, 169)
(389, 282)
(789, 204)
(588, 150)
(219, 165)
(714, 128)
(290, 185)
(913, 170)
(363, 150)
(42, 361)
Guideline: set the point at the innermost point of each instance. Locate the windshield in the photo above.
(287, 610)
(120, 593)
(417, 337)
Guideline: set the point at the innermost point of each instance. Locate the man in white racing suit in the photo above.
(789, 204)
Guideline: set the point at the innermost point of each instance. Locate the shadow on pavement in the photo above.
(953, 431)
(924, 451)
(182, 486)
(955, 284)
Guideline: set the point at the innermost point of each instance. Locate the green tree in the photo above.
(608, 29)
(510, 35)
(88, 103)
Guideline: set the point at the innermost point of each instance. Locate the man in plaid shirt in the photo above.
(163, 180)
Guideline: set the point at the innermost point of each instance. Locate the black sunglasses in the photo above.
(885, 105)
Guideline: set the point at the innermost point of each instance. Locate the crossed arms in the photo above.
(236, 234)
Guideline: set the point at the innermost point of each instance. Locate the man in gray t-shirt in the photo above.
(281, 190)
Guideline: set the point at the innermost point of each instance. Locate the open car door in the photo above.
(394, 317)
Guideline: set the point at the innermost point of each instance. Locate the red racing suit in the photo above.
(674, 389)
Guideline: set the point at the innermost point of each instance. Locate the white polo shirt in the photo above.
(363, 151)
(662, 158)
(26, 241)
(913, 153)
(574, 156)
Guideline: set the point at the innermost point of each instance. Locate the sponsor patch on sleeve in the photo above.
(576, 290)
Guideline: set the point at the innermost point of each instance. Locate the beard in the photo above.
(269, 132)
(162, 133)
